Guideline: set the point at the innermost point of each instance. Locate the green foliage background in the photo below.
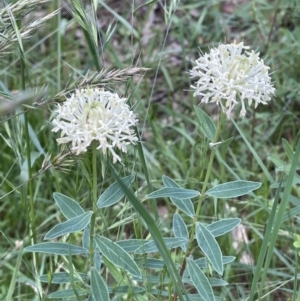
(164, 36)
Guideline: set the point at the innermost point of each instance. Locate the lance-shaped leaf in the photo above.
(200, 281)
(67, 293)
(233, 189)
(210, 247)
(223, 226)
(57, 248)
(185, 205)
(173, 192)
(98, 287)
(207, 125)
(170, 242)
(64, 277)
(70, 226)
(180, 230)
(131, 245)
(113, 193)
(68, 207)
(117, 255)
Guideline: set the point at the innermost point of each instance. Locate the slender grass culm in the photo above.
(135, 168)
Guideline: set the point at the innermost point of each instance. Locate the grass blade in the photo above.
(156, 235)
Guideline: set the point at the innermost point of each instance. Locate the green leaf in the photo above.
(69, 293)
(113, 193)
(98, 287)
(156, 264)
(288, 149)
(217, 282)
(173, 192)
(86, 238)
(184, 205)
(200, 281)
(223, 226)
(233, 189)
(68, 207)
(117, 255)
(131, 245)
(202, 262)
(210, 247)
(180, 230)
(70, 226)
(207, 125)
(170, 242)
(224, 143)
(156, 234)
(97, 260)
(291, 213)
(57, 248)
(126, 289)
(64, 277)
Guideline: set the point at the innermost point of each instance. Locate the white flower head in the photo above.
(229, 75)
(95, 114)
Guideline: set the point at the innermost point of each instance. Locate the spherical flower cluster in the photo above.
(229, 75)
(95, 114)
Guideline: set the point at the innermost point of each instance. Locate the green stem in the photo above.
(202, 195)
(31, 215)
(94, 201)
(209, 168)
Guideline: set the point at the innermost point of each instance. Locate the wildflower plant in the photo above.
(94, 118)
(95, 127)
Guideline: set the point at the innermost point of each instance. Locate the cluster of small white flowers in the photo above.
(230, 74)
(95, 114)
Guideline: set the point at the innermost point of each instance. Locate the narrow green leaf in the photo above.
(202, 262)
(224, 143)
(68, 207)
(184, 205)
(117, 255)
(66, 293)
(291, 213)
(180, 230)
(233, 189)
(288, 149)
(207, 125)
(57, 248)
(152, 263)
(64, 277)
(70, 226)
(131, 245)
(223, 226)
(210, 247)
(86, 238)
(156, 234)
(217, 282)
(264, 246)
(113, 193)
(97, 260)
(173, 192)
(275, 225)
(200, 281)
(98, 287)
(126, 289)
(170, 243)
